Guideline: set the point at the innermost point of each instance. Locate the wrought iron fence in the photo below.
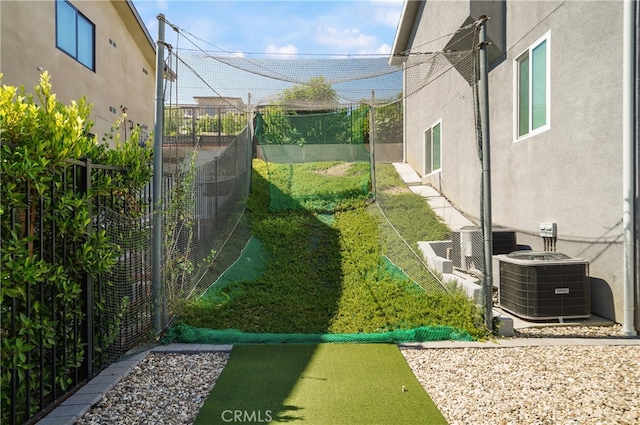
(60, 325)
(67, 332)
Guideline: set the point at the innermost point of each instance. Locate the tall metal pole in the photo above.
(250, 126)
(252, 148)
(372, 141)
(486, 176)
(628, 163)
(405, 93)
(158, 173)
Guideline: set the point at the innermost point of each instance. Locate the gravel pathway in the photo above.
(607, 332)
(166, 389)
(534, 385)
(524, 385)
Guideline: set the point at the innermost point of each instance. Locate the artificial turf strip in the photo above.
(324, 384)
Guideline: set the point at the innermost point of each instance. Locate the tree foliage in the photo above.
(317, 92)
(389, 121)
(174, 121)
(230, 123)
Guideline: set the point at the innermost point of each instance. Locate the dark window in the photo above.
(75, 34)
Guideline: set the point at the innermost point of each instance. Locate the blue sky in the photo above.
(275, 27)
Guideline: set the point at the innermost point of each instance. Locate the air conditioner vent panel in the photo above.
(533, 255)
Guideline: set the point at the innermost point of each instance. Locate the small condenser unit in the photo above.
(544, 285)
(467, 246)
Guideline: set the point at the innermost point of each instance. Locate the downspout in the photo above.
(628, 163)
(404, 111)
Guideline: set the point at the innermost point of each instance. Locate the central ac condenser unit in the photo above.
(544, 285)
(467, 246)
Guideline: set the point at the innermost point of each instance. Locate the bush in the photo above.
(47, 247)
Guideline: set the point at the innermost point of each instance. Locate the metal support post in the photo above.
(486, 176)
(158, 172)
(372, 141)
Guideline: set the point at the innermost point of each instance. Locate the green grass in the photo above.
(402, 206)
(318, 186)
(319, 384)
(327, 276)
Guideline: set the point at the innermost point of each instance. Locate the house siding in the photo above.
(570, 174)
(28, 41)
(433, 102)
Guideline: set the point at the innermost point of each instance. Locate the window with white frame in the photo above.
(532, 100)
(75, 34)
(432, 148)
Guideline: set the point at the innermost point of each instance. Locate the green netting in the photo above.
(315, 161)
(397, 274)
(249, 266)
(275, 126)
(192, 335)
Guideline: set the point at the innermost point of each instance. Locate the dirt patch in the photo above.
(337, 170)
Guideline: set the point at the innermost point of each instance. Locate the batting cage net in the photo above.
(327, 131)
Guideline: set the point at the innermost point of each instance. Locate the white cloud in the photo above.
(389, 4)
(350, 38)
(289, 49)
(162, 4)
(387, 16)
(384, 49)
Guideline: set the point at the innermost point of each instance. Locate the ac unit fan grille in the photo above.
(545, 291)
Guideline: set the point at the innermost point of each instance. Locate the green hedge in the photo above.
(47, 248)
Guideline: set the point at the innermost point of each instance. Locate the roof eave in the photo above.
(404, 31)
(141, 23)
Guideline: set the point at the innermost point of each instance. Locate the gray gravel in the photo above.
(163, 389)
(534, 385)
(524, 385)
(571, 331)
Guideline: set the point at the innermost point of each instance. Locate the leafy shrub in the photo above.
(47, 247)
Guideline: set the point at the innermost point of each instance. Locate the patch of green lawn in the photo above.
(326, 276)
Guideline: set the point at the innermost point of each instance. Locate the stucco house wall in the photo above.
(124, 75)
(570, 174)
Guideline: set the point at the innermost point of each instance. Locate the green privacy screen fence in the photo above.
(277, 126)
